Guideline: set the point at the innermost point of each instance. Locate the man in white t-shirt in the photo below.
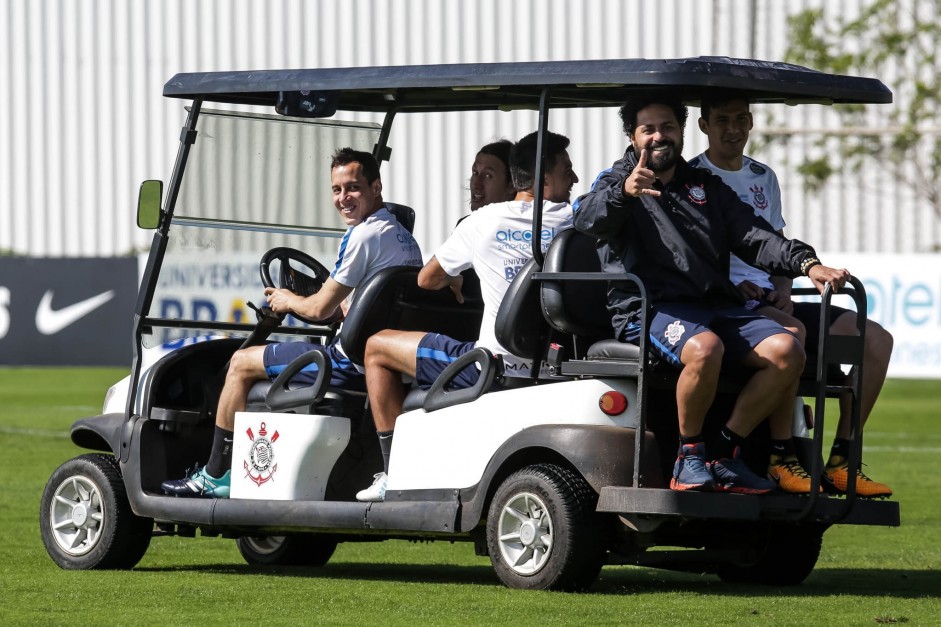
(727, 122)
(373, 241)
(496, 240)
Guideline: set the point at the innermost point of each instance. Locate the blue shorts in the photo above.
(672, 325)
(345, 376)
(435, 353)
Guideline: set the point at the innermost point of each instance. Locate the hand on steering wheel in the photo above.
(291, 278)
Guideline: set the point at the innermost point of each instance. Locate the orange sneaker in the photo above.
(837, 477)
(789, 475)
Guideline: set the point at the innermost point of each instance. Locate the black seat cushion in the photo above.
(613, 349)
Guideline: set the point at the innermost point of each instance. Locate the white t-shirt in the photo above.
(496, 240)
(757, 185)
(377, 242)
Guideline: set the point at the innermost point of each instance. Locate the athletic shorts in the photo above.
(435, 353)
(345, 376)
(809, 314)
(672, 325)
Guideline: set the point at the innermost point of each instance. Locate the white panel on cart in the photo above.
(285, 456)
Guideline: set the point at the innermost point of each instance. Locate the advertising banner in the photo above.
(903, 294)
(64, 312)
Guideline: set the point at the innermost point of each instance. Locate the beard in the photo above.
(663, 161)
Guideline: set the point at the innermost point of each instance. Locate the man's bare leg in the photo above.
(696, 386)
(695, 390)
(778, 361)
(245, 368)
(877, 351)
(389, 354)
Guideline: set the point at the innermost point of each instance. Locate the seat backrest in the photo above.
(520, 326)
(576, 307)
(391, 299)
(404, 214)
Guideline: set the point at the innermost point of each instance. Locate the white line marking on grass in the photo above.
(934, 450)
(43, 433)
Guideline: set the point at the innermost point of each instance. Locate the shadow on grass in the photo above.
(614, 580)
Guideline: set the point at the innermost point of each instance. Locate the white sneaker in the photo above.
(377, 491)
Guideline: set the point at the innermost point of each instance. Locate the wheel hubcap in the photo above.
(76, 515)
(525, 533)
(264, 545)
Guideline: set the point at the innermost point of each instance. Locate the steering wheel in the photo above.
(291, 278)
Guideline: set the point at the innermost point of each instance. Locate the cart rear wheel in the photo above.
(787, 555)
(543, 532)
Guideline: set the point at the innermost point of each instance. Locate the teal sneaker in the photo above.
(199, 484)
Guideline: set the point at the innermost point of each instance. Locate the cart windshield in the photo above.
(253, 182)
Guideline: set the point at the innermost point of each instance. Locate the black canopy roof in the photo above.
(519, 85)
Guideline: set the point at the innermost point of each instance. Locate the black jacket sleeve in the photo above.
(757, 243)
(603, 212)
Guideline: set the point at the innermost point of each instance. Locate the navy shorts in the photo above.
(435, 353)
(345, 376)
(672, 325)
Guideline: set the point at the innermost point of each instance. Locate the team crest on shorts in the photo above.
(260, 465)
(697, 194)
(675, 331)
(759, 200)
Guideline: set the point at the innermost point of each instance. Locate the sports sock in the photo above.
(839, 452)
(385, 445)
(220, 459)
(724, 444)
(783, 449)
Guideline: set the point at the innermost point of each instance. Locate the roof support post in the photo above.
(538, 183)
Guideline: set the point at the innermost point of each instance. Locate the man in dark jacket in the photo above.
(674, 226)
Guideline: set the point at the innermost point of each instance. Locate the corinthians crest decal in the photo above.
(260, 465)
(760, 200)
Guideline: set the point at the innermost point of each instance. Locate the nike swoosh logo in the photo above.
(50, 321)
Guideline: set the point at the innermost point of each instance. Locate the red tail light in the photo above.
(613, 403)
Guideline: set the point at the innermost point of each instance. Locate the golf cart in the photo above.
(551, 479)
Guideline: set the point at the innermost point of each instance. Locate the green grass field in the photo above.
(865, 575)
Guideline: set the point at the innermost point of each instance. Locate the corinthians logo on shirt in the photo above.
(759, 200)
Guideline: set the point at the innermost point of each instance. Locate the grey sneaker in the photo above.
(377, 491)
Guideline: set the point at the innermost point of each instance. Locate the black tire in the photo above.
(543, 532)
(302, 550)
(786, 555)
(85, 518)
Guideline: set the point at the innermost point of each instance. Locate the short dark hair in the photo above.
(346, 156)
(523, 158)
(642, 100)
(718, 99)
(501, 150)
